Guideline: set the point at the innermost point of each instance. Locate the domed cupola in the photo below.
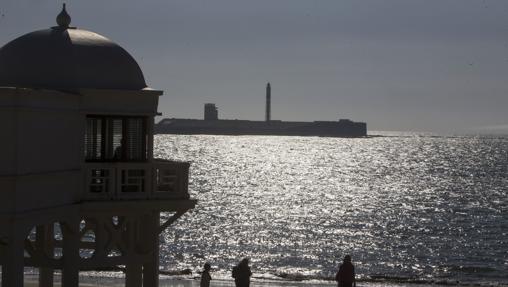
(64, 57)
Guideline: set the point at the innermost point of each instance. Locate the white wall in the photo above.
(7, 200)
(7, 141)
(42, 144)
(47, 190)
(49, 141)
(120, 102)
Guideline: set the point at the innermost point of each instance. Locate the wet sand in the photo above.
(175, 281)
(109, 282)
(191, 283)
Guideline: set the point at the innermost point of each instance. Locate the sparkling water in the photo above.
(406, 207)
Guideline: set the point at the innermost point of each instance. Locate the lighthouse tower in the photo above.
(268, 102)
(79, 187)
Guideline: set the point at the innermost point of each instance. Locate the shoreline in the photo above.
(174, 281)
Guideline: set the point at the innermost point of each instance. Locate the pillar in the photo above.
(13, 268)
(151, 268)
(70, 270)
(133, 275)
(101, 236)
(133, 272)
(44, 239)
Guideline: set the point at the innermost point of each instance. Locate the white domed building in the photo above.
(79, 187)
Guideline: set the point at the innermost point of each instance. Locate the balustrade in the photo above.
(159, 179)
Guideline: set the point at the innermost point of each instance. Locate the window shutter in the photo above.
(93, 139)
(115, 135)
(135, 134)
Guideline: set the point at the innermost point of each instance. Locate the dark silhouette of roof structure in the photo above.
(64, 57)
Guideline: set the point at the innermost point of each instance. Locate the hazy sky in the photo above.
(427, 65)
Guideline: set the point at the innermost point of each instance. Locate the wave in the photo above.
(380, 278)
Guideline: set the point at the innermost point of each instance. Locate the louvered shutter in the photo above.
(135, 139)
(94, 139)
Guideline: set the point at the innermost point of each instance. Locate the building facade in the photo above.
(79, 186)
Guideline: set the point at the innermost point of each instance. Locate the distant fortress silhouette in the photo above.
(212, 125)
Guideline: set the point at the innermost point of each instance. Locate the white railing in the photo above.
(158, 179)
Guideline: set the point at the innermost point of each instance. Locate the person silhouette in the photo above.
(205, 276)
(242, 273)
(345, 276)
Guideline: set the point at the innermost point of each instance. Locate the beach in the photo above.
(118, 280)
(108, 282)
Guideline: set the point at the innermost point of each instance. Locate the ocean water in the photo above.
(407, 207)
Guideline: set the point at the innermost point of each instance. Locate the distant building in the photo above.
(211, 112)
(341, 128)
(213, 126)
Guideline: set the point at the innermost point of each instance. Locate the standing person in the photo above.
(345, 277)
(242, 273)
(205, 276)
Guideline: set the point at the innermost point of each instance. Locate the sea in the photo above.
(411, 208)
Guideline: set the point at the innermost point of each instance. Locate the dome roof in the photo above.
(63, 57)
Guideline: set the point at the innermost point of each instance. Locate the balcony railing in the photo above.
(159, 179)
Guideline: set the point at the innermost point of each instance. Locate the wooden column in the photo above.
(13, 268)
(133, 275)
(70, 270)
(44, 241)
(151, 268)
(133, 272)
(101, 237)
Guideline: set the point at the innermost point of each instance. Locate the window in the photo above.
(115, 138)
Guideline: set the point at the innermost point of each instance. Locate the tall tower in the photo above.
(268, 102)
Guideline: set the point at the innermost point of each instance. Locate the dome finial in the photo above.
(63, 19)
